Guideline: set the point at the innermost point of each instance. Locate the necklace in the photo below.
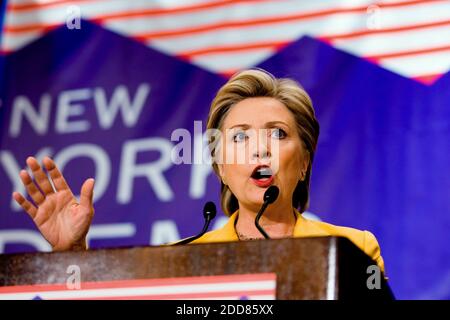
(243, 237)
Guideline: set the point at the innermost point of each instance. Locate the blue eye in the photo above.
(278, 133)
(239, 137)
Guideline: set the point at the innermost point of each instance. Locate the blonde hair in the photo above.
(259, 83)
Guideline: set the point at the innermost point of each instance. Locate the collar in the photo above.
(303, 228)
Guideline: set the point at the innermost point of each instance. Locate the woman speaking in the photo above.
(268, 136)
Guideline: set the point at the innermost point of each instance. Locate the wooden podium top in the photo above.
(305, 268)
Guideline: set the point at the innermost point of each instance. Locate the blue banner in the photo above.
(105, 104)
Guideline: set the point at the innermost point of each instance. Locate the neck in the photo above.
(278, 221)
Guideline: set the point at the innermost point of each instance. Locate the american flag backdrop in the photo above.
(410, 38)
(100, 85)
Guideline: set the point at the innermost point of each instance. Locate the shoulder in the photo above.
(213, 236)
(363, 239)
(224, 234)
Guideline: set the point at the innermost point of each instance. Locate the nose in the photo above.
(261, 149)
(262, 153)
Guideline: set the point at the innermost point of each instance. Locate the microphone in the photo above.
(209, 213)
(270, 196)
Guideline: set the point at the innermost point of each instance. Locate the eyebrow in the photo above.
(269, 124)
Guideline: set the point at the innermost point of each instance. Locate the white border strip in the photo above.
(331, 289)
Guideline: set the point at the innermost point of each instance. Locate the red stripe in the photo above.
(136, 14)
(42, 5)
(400, 54)
(268, 20)
(232, 48)
(46, 5)
(197, 295)
(4, 52)
(428, 79)
(365, 32)
(228, 73)
(31, 28)
(142, 282)
(243, 23)
(181, 9)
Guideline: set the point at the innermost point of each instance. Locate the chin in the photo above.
(256, 201)
(254, 196)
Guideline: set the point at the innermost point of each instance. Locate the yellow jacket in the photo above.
(364, 240)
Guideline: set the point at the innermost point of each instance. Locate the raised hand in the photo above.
(61, 219)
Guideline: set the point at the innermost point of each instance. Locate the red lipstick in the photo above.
(262, 176)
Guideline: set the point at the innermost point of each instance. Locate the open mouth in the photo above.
(262, 176)
(262, 172)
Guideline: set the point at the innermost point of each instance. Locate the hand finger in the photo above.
(58, 179)
(87, 193)
(25, 204)
(32, 190)
(39, 176)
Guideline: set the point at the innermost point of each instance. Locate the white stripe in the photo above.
(289, 31)
(230, 61)
(247, 12)
(329, 24)
(391, 43)
(419, 65)
(286, 31)
(11, 43)
(331, 283)
(139, 291)
(236, 12)
(337, 23)
(422, 13)
(58, 13)
(283, 31)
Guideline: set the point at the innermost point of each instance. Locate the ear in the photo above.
(305, 164)
(221, 172)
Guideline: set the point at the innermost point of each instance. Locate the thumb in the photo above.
(87, 193)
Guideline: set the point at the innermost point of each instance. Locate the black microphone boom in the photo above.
(270, 196)
(209, 213)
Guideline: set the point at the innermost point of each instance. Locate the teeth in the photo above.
(265, 172)
(262, 173)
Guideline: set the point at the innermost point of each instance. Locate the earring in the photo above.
(303, 176)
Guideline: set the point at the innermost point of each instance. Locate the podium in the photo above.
(305, 268)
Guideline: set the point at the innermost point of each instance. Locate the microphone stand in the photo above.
(258, 216)
(270, 196)
(209, 213)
